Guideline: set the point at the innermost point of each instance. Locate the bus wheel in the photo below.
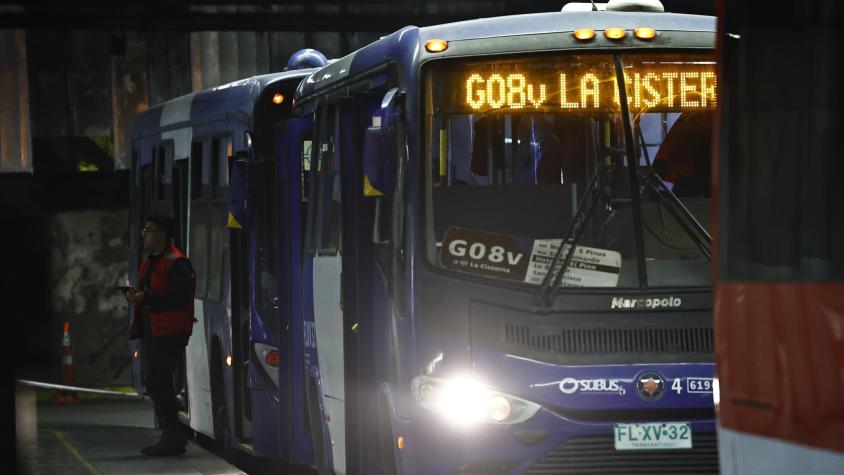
(386, 446)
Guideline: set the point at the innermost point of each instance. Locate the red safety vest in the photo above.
(166, 322)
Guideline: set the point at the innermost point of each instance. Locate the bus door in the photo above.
(239, 295)
(326, 374)
(294, 143)
(364, 289)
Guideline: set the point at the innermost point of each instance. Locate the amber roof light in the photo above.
(645, 33)
(278, 98)
(615, 33)
(436, 46)
(584, 34)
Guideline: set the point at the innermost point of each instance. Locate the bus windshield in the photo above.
(516, 146)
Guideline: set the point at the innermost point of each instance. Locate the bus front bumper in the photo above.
(547, 443)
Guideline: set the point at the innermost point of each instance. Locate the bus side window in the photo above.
(163, 160)
(196, 170)
(323, 236)
(180, 200)
(221, 149)
(199, 214)
(221, 155)
(330, 242)
(305, 154)
(389, 216)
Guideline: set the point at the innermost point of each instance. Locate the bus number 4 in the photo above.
(676, 386)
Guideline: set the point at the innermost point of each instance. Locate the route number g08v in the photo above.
(480, 251)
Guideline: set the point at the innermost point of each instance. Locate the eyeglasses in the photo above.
(146, 231)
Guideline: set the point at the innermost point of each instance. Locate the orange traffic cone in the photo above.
(68, 378)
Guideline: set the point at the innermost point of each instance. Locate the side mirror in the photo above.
(380, 147)
(239, 218)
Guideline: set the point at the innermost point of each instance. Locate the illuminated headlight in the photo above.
(463, 401)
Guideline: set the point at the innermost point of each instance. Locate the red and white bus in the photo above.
(779, 228)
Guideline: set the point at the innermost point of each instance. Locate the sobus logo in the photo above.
(665, 302)
(591, 386)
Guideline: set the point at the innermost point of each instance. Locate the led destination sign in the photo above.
(670, 82)
(686, 90)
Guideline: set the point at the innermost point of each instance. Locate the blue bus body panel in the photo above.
(311, 358)
(296, 289)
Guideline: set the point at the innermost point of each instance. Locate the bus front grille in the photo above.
(583, 341)
(597, 454)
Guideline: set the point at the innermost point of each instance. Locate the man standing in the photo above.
(163, 317)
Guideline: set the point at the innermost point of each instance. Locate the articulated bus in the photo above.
(244, 356)
(506, 233)
(779, 279)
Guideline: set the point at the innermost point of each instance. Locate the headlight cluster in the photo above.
(463, 401)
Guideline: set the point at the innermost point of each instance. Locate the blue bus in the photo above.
(488, 283)
(206, 158)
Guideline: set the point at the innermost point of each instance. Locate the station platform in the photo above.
(100, 436)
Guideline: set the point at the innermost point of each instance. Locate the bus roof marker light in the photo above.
(646, 34)
(229, 360)
(584, 34)
(436, 46)
(278, 98)
(615, 33)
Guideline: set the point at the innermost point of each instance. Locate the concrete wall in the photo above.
(88, 257)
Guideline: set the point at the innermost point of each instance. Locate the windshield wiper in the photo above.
(632, 169)
(678, 210)
(551, 281)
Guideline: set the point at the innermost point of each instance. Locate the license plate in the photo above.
(653, 435)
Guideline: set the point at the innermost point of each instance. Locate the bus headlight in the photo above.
(464, 401)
